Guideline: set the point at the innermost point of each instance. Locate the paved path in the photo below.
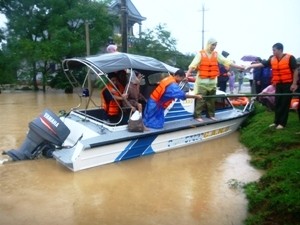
(245, 88)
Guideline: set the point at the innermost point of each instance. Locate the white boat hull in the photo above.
(94, 151)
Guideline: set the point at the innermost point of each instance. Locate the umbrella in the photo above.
(112, 62)
(249, 58)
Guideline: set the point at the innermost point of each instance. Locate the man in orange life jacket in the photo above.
(162, 96)
(206, 63)
(284, 77)
(112, 98)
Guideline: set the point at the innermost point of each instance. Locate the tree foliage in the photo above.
(159, 43)
(42, 33)
(46, 31)
(7, 67)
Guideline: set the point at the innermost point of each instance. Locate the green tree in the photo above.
(156, 43)
(8, 68)
(159, 44)
(2, 36)
(46, 31)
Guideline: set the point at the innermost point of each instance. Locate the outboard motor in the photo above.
(46, 132)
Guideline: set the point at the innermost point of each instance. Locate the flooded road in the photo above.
(189, 185)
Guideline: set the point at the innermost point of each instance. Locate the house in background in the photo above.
(134, 17)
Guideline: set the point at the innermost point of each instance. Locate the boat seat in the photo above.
(147, 90)
(98, 113)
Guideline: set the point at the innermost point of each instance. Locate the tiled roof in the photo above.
(133, 13)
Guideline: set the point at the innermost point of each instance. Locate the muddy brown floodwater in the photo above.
(191, 185)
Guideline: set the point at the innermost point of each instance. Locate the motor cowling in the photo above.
(46, 132)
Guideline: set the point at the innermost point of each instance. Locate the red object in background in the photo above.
(191, 79)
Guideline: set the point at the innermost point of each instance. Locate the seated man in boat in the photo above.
(112, 98)
(162, 96)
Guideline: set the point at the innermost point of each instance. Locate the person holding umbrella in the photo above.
(249, 74)
(249, 58)
(284, 77)
(206, 63)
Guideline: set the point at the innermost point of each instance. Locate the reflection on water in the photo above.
(184, 186)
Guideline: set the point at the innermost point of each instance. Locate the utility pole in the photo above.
(87, 37)
(88, 50)
(203, 11)
(124, 22)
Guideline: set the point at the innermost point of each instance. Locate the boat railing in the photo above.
(84, 88)
(252, 98)
(94, 116)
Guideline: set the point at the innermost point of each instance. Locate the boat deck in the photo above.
(120, 133)
(94, 134)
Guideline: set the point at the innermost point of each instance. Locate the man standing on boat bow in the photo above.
(162, 96)
(206, 63)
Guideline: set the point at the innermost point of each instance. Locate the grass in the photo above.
(275, 198)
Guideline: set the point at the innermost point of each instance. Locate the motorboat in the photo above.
(84, 138)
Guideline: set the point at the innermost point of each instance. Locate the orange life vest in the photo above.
(239, 101)
(160, 90)
(281, 72)
(112, 108)
(208, 66)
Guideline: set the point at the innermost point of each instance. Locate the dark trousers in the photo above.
(258, 87)
(298, 91)
(222, 82)
(282, 103)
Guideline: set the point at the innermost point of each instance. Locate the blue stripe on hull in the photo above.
(178, 117)
(137, 147)
(177, 112)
